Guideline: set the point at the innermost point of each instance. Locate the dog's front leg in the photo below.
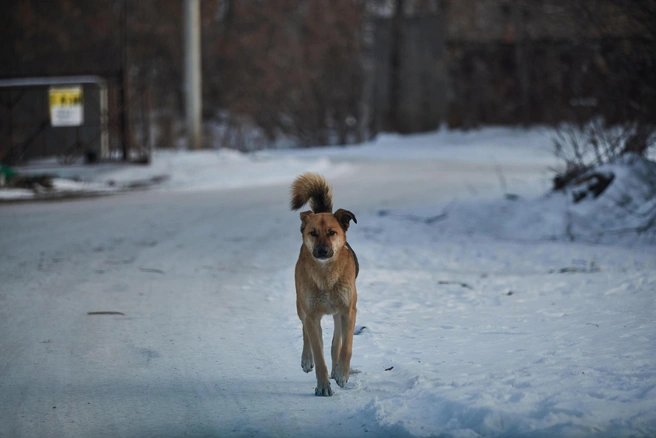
(307, 362)
(343, 367)
(336, 346)
(312, 326)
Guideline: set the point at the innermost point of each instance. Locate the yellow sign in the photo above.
(66, 106)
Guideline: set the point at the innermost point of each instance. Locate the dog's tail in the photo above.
(314, 189)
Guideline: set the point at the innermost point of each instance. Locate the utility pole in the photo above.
(192, 76)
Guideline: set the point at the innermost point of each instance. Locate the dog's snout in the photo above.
(322, 252)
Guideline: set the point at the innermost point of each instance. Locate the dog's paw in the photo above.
(307, 364)
(340, 377)
(341, 381)
(325, 391)
(353, 371)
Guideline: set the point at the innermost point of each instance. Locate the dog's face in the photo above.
(325, 233)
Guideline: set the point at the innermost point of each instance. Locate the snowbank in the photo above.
(470, 333)
(624, 213)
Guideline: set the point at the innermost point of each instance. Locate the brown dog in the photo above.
(325, 280)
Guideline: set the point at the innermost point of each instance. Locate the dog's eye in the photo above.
(313, 233)
(331, 232)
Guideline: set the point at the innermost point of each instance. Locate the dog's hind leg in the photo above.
(337, 344)
(307, 361)
(312, 325)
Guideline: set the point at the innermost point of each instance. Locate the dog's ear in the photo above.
(304, 217)
(344, 217)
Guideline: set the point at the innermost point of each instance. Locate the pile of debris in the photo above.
(9, 178)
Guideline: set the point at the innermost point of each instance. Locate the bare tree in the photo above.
(295, 69)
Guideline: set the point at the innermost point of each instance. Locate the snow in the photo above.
(7, 194)
(513, 145)
(222, 169)
(490, 337)
(181, 171)
(487, 306)
(228, 169)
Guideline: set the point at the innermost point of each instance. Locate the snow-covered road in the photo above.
(466, 334)
(205, 347)
(200, 350)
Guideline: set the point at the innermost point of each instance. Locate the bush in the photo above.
(582, 148)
